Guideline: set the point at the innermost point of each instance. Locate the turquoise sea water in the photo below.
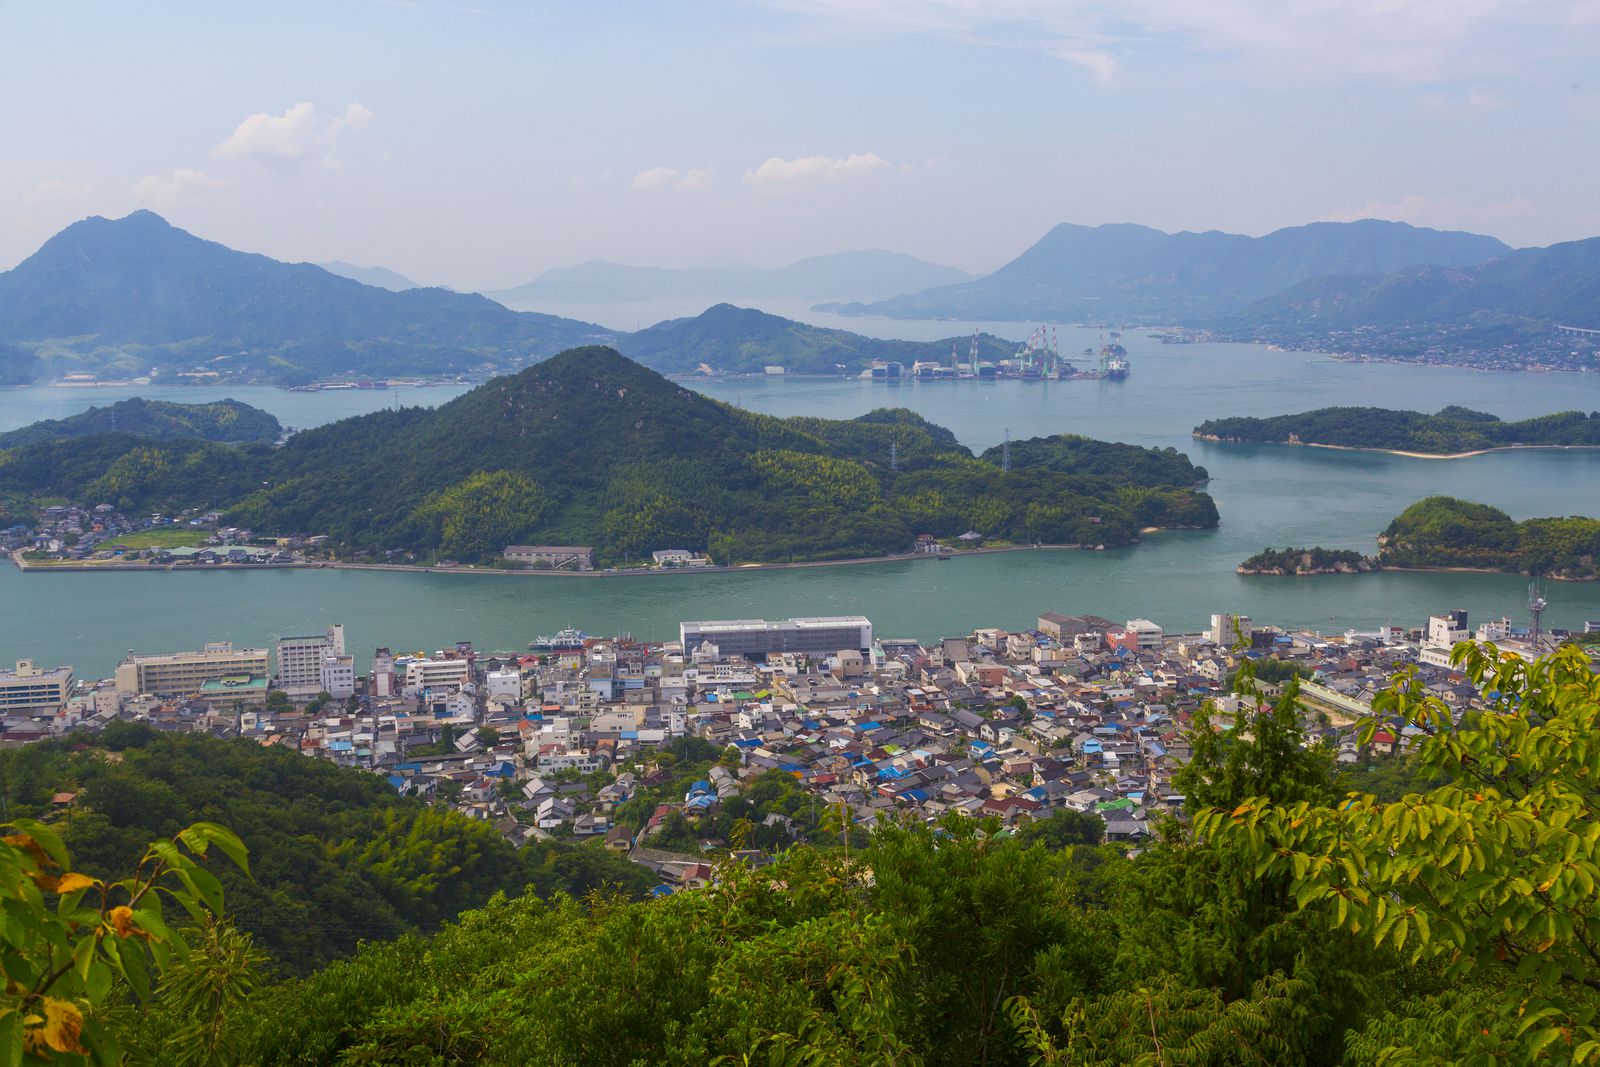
(1268, 495)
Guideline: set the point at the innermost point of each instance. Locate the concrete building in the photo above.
(1066, 627)
(1444, 633)
(1147, 635)
(300, 660)
(1230, 630)
(338, 676)
(755, 638)
(184, 674)
(556, 557)
(381, 681)
(30, 690)
(437, 674)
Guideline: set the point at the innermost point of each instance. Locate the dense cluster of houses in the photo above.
(67, 533)
(1078, 713)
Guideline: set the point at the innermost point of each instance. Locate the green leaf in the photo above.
(83, 955)
(48, 840)
(98, 981)
(226, 840)
(134, 967)
(11, 1039)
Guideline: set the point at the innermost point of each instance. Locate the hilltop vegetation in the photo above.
(591, 448)
(118, 298)
(338, 857)
(1303, 561)
(734, 340)
(1453, 429)
(1442, 531)
(228, 421)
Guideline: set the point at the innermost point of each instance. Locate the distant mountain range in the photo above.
(732, 340)
(136, 297)
(125, 297)
(842, 276)
(1498, 302)
(382, 277)
(1134, 273)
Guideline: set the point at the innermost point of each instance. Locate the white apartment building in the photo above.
(437, 674)
(300, 660)
(1444, 633)
(1229, 630)
(30, 690)
(339, 676)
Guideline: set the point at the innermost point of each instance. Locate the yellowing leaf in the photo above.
(61, 1028)
(72, 882)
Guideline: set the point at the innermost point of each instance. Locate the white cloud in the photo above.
(296, 134)
(1100, 64)
(695, 178)
(60, 188)
(156, 189)
(654, 177)
(1407, 41)
(779, 171)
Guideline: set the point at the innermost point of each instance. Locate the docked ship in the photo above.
(1113, 362)
(568, 640)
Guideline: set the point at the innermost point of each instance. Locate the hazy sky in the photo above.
(476, 144)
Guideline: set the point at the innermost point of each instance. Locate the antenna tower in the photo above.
(1536, 606)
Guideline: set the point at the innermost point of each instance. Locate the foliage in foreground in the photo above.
(72, 944)
(339, 858)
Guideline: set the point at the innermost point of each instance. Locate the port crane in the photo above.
(1038, 356)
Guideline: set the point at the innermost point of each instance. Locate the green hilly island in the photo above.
(591, 448)
(225, 420)
(1443, 531)
(1451, 430)
(731, 340)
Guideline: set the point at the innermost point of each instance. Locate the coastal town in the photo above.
(749, 735)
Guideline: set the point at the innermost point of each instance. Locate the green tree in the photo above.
(70, 939)
(1493, 874)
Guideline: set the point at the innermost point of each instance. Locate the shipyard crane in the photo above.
(1039, 353)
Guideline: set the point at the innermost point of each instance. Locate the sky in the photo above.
(476, 144)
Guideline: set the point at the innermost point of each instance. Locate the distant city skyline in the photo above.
(477, 146)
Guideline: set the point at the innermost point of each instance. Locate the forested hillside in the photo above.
(590, 448)
(338, 857)
(1442, 531)
(224, 420)
(1453, 429)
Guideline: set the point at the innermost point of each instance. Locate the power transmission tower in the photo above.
(1005, 453)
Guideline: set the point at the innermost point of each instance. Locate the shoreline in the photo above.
(75, 567)
(1391, 568)
(1398, 451)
